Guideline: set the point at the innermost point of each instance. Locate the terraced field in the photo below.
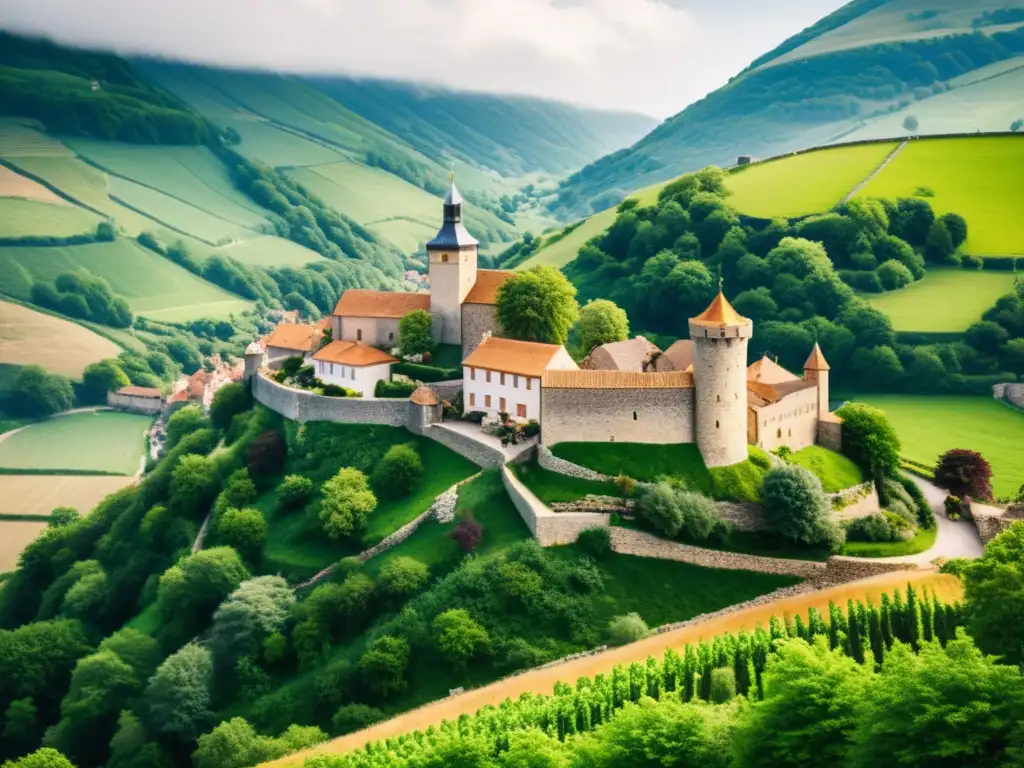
(269, 251)
(20, 218)
(28, 337)
(153, 286)
(21, 138)
(977, 177)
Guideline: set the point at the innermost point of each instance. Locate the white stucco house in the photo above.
(504, 376)
(354, 366)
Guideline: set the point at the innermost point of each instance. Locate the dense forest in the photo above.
(769, 111)
(796, 280)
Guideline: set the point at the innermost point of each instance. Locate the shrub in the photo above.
(291, 365)
(333, 390)
(657, 506)
(700, 520)
(723, 685)
(970, 261)
(245, 530)
(347, 503)
(467, 532)
(394, 389)
(872, 528)
(784, 452)
(306, 377)
(531, 429)
(954, 507)
(925, 516)
(596, 542)
(398, 472)
(293, 492)
(230, 400)
(964, 473)
(893, 275)
(626, 485)
(355, 717)
(402, 577)
(476, 417)
(870, 440)
(460, 637)
(795, 504)
(627, 629)
(266, 456)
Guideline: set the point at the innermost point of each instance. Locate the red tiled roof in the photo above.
(485, 289)
(357, 302)
(132, 391)
(351, 353)
(525, 358)
(299, 338)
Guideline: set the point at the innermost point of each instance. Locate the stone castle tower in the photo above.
(720, 335)
(816, 369)
(453, 256)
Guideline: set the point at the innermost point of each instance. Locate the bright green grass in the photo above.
(102, 440)
(806, 183)
(553, 487)
(175, 213)
(662, 598)
(19, 218)
(71, 176)
(642, 461)
(923, 540)
(20, 138)
(835, 471)
(928, 426)
(560, 253)
(963, 296)
(976, 177)
(193, 175)
(154, 286)
(270, 251)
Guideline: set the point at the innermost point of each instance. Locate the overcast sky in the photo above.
(652, 56)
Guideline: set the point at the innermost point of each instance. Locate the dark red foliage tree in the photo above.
(468, 532)
(266, 456)
(964, 473)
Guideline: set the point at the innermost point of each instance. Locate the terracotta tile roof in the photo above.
(816, 360)
(720, 313)
(759, 394)
(298, 338)
(767, 371)
(679, 356)
(351, 353)
(322, 324)
(831, 418)
(485, 289)
(629, 355)
(616, 380)
(132, 391)
(526, 358)
(424, 396)
(180, 396)
(357, 302)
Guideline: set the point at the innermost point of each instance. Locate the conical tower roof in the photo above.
(720, 313)
(452, 196)
(816, 360)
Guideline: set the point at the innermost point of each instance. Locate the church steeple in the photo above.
(452, 234)
(452, 202)
(452, 255)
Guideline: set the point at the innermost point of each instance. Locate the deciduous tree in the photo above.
(538, 304)
(459, 637)
(414, 333)
(177, 702)
(601, 322)
(347, 503)
(870, 440)
(964, 473)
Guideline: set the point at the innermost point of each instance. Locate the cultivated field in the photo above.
(28, 337)
(977, 177)
(109, 441)
(914, 308)
(928, 426)
(19, 218)
(41, 494)
(154, 286)
(946, 587)
(806, 183)
(269, 251)
(15, 535)
(15, 185)
(71, 176)
(19, 138)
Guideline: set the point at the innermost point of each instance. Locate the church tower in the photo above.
(720, 335)
(452, 255)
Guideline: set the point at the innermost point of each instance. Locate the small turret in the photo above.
(816, 369)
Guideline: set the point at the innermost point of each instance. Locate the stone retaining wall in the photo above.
(549, 528)
(742, 515)
(840, 569)
(299, 405)
(479, 453)
(549, 461)
(991, 525)
(447, 390)
(1010, 393)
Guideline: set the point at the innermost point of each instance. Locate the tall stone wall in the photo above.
(299, 405)
(479, 453)
(478, 319)
(147, 405)
(990, 524)
(549, 528)
(830, 435)
(720, 378)
(618, 415)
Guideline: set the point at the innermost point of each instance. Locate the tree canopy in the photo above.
(537, 304)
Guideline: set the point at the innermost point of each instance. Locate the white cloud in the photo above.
(648, 55)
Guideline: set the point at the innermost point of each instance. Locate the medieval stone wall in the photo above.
(858, 501)
(299, 405)
(618, 415)
(476, 451)
(830, 435)
(478, 319)
(147, 405)
(1010, 393)
(793, 421)
(549, 528)
(549, 461)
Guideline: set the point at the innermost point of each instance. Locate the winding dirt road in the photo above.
(543, 680)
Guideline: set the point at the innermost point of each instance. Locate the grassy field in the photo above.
(270, 251)
(923, 540)
(20, 218)
(928, 426)
(70, 175)
(154, 286)
(553, 487)
(914, 308)
(40, 494)
(977, 177)
(104, 440)
(28, 337)
(835, 471)
(640, 461)
(15, 535)
(14, 184)
(806, 183)
(21, 138)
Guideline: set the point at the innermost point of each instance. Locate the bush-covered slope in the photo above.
(804, 101)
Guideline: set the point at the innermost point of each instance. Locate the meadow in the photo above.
(836, 472)
(269, 251)
(928, 426)
(13, 184)
(976, 177)
(70, 175)
(21, 218)
(806, 183)
(153, 286)
(20, 137)
(28, 337)
(106, 441)
(41, 494)
(925, 305)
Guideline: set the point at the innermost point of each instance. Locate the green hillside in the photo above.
(829, 83)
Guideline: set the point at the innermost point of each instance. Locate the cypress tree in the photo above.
(835, 625)
(798, 627)
(671, 668)
(788, 625)
(637, 681)
(954, 619)
(741, 668)
(875, 635)
(776, 631)
(913, 623)
(689, 672)
(654, 678)
(886, 619)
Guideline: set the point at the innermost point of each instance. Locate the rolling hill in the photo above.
(860, 72)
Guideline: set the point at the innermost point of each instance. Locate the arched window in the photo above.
(719, 398)
(716, 425)
(778, 433)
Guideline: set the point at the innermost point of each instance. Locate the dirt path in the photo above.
(878, 170)
(543, 680)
